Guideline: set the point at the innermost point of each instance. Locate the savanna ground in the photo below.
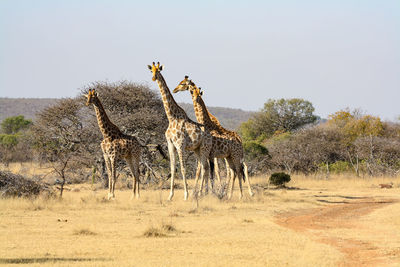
(337, 222)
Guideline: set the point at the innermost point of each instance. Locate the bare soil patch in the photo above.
(341, 214)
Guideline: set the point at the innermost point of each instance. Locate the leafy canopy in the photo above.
(354, 125)
(283, 115)
(13, 125)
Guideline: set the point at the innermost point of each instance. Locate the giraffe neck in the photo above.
(107, 128)
(172, 109)
(202, 114)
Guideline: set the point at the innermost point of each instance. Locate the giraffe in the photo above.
(115, 146)
(183, 86)
(182, 133)
(230, 138)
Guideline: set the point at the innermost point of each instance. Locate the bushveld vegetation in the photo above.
(279, 178)
(285, 135)
(294, 140)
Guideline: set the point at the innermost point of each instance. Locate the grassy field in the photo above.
(85, 229)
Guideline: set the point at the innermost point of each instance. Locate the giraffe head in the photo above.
(196, 92)
(184, 85)
(155, 69)
(91, 97)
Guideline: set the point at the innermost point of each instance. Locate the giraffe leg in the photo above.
(217, 170)
(109, 173)
(206, 185)
(240, 173)
(246, 174)
(198, 170)
(205, 171)
(229, 175)
(214, 171)
(228, 172)
(134, 167)
(183, 171)
(231, 185)
(171, 150)
(136, 163)
(113, 177)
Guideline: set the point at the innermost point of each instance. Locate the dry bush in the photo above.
(168, 228)
(14, 185)
(163, 230)
(84, 231)
(154, 232)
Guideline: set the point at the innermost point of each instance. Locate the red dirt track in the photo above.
(346, 215)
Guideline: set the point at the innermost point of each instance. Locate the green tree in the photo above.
(13, 145)
(13, 125)
(8, 140)
(254, 149)
(288, 114)
(283, 115)
(354, 125)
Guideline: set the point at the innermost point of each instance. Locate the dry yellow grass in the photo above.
(85, 229)
(26, 168)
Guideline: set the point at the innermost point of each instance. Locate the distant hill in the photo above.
(229, 117)
(23, 106)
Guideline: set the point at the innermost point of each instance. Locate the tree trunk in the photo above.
(327, 171)
(93, 174)
(357, 167)
(62, 184)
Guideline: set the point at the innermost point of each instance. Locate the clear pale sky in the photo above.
(336, 54)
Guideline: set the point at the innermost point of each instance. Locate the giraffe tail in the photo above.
(159, 148)
(212, 168)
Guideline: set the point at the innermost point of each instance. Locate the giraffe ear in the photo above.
(161, 67)
(150, 68)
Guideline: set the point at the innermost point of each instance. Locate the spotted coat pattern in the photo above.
(116, 146)
(226, 144)
(183, 134)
